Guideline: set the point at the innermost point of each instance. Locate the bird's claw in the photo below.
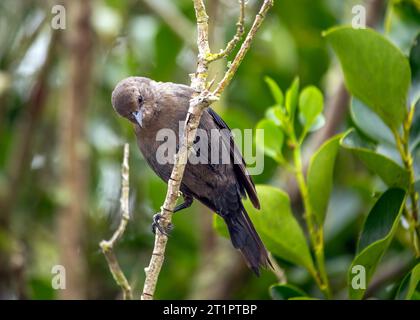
(156, 225)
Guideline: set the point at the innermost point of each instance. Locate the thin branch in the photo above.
(197, 105)
(236, 38)
(107, 246)
(244, 48)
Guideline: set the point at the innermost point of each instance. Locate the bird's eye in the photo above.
(140, 100)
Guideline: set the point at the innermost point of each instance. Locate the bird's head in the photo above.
(134, 99)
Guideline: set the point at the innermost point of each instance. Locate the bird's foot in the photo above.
(157, 225)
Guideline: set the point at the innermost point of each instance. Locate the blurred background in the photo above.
(61, 143)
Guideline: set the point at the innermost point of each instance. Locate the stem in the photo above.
(107, 246)
(316, 232)
(403, 148)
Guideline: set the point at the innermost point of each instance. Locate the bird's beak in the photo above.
(138, 115)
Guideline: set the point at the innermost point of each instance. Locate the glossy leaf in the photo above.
(320, 177)
(311, 104)
(269, 139)
(275, 91)
(292, 97)
(409, 288)
(375, 71)
(318, 123)
(277, 115)
(377, 233)
(389, 171)
(370, 124)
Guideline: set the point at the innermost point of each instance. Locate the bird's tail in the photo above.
(245, 238)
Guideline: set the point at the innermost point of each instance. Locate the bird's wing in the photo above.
(243, 178)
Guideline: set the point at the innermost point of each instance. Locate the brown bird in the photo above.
(152, 106)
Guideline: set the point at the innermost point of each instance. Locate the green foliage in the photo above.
(320, 177)
(377, 233)
(370, 124)
(409, 288)
(269, 139)
(311, 104)
(285, 292)
(275, 91)
(376, 72)
(378, 75)
(390, 172)
(306, 106)
(292, 96)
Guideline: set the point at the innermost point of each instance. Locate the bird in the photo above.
(153, 106)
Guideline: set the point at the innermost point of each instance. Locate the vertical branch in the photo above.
(197, 105)
(73, 149)
(316, 232)
(412, 214)
(107, 246)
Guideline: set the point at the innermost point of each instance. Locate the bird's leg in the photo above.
(188, 200)
(157, 225)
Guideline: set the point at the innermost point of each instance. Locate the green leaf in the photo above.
(311, 104)
(414, 285)
(277, 115)
(377, 233)
(285, 291)
(318, 124)
(410, 286)
(269, 139)
(370, 124)
(292, 97)
(389, 171)
(278, 228)
(375, 71)
(275, 91)
(320, 177)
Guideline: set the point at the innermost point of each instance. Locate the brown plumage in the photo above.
(152, 106)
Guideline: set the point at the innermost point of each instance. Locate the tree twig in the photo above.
(197, 105)
(259, 18)
(236, 38)
(107, 246)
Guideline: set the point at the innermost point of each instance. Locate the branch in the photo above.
(244, 48)
(236, 38)
(107, 246)
(198, 104)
